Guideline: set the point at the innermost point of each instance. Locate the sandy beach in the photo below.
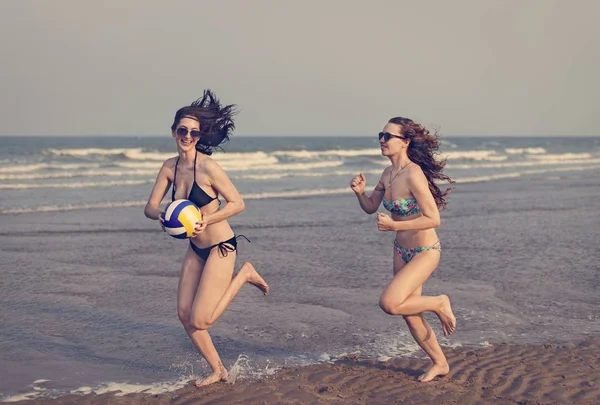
(498, 374)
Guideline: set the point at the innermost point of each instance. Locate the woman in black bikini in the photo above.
(206, 284)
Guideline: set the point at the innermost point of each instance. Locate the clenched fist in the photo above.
(358, 184)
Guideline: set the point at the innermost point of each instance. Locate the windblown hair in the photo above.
(216, 122)
(422, 149)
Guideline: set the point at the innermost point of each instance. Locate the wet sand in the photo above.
(498, 374)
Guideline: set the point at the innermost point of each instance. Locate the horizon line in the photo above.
(300, 136)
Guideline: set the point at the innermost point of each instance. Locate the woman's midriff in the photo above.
(213, 234)
(413, 239)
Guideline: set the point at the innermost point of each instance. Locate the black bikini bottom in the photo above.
(229, 245)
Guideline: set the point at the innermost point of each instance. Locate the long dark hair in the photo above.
(216, 122)
(422, 149)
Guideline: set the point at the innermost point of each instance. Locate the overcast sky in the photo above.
(310, 67)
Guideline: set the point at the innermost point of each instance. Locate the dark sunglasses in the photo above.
(183, 131)
(386, 136)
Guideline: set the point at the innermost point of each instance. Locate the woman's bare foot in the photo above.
(446, 316)
(213, 378)
(434, 371)
(254, 278)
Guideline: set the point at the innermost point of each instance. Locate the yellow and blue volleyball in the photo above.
(180, 218)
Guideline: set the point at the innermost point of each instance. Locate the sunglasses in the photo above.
(183, 131)
(387, 136)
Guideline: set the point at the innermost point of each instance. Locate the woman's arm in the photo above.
(368, 203)
(221, 182)
(152, 209)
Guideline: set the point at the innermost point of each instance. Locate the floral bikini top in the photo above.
(402, 206)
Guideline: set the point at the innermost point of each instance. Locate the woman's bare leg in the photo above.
(216, 290)
(418, 326)
(425, 337)
(398, 297)
(191, 272)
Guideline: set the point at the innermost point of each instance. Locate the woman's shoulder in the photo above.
(208, 164)
(170, 163)
(415, 172)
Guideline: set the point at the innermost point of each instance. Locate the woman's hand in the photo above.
(385, 223)
(200, 226)
(161, 219)
(358, 184)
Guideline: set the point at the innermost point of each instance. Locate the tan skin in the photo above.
(205, 288)
(403, 295)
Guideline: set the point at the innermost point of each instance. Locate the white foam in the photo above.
(281, 175)
(489, 155)
(141, 154)
(22, 397)
(481, 179)
(90, 152)
(384, 347)
(287, 194)
(140, 165)
(36, 393)
(491, 177)
(305, 154)
(121, 389)
(45, 166)
(89, 184)
(236, 156)
(521, 164)
(564, 156)
(324, 357)
(297, 193)
(118, 388)
(138, 154)
(281, 166)
(124, 204)
(130, 153)
(87, 173)
(528, 151)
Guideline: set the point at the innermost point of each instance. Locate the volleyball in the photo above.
(180, 218)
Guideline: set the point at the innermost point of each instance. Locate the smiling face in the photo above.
(394, 144)
(187, 133)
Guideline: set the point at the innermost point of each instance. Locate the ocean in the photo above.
(88, 284)
(104, 172)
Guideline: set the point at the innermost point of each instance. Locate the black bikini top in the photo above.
(197, 195)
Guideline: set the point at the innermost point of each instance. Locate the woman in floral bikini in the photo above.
(408, 191)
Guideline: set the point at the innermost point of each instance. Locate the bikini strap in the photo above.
(195, 157)
(226, 247)
(174, 180)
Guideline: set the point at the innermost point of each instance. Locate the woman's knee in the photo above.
(387, 304)
(391, 303)
(184, 316)
(200, 322)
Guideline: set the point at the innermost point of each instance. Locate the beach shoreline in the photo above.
(84, 319)
(496, 374)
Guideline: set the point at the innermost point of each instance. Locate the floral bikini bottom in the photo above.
(407, 254)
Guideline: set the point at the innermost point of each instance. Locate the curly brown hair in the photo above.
(422, 149)
(216, 122)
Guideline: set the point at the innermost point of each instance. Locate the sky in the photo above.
(311, 67)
